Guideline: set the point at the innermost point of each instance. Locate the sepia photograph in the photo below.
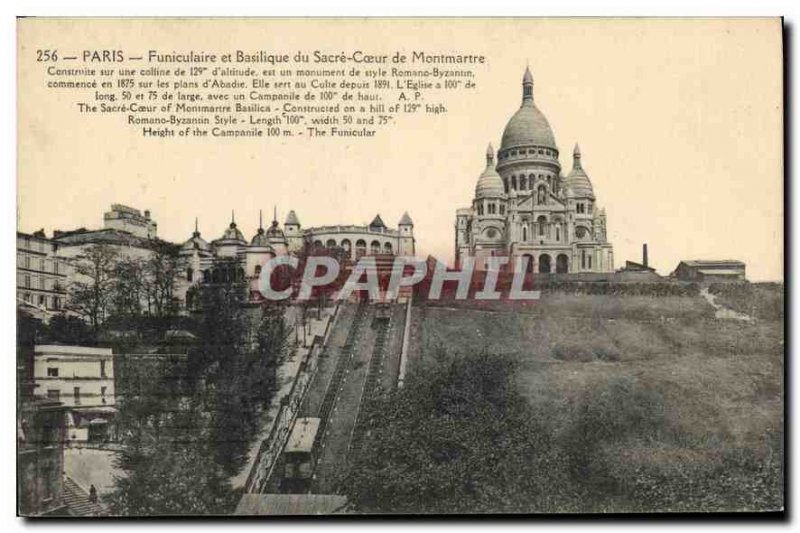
(291, 267)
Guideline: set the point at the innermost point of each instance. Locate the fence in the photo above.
(271, 447)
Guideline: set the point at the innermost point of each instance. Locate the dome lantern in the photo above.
(527, 86)
(528, 127)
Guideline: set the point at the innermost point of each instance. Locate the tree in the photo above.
(272, 344)
(69, 329)
(129, 287)
(91, 294)
(171, 471)
(457, 438)
(160, 274)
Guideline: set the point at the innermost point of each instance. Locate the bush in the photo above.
(458, 438)
(627, 456)
(587, 351)
(759, 300)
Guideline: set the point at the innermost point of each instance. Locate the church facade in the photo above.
(524, 207)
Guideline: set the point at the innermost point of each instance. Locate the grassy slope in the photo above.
(720, 382)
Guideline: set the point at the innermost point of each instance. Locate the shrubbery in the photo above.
(460, 438)
(759, 300)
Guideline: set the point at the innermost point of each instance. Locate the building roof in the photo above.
(528, 126)
(100, 236)
(405, 220)
(632, 265)
(712, 263)
(260, 238)
(303, 433)
(196, 242)
(290, 504)
(57, 349)
(291, 218)
(377, 222)
(232, 233)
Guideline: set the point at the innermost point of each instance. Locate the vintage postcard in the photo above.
(277, 267)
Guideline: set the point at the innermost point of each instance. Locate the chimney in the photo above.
(147, 214)
(644, 254)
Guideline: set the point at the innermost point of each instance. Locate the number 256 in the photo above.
(46, 55)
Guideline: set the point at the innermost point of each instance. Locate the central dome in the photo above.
(528, 126)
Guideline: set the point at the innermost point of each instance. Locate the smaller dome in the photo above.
(260, 238)
(233, 234)
(196, 242)
(577, 182)
(490, 184)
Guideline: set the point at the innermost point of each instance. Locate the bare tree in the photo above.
(91, 294)
(160, 275)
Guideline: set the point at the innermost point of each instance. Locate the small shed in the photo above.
(710, 271)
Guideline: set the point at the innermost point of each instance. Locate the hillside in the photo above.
(661, 405)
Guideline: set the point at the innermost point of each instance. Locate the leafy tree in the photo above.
(272, 344)
(457, 438)
(69, 329)
(170, 472)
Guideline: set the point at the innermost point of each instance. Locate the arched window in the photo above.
(505, 185)
(361, 247)
(347, 245)
(387, 248)
(330, 243)
(524, 233)
(558, 233)
(544, 264)
(542, 223)
(562, 264)
(258, 270)
(317, 244)
(189, 274)
(522, 183)
(375, 247)
(514, 182)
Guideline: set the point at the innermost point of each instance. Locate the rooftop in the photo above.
(290, 504)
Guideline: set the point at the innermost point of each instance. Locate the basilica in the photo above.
(525, 208)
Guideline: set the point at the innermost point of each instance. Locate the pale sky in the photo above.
(679, 123)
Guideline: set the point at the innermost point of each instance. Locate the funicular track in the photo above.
(345, 357)
(381, 325)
